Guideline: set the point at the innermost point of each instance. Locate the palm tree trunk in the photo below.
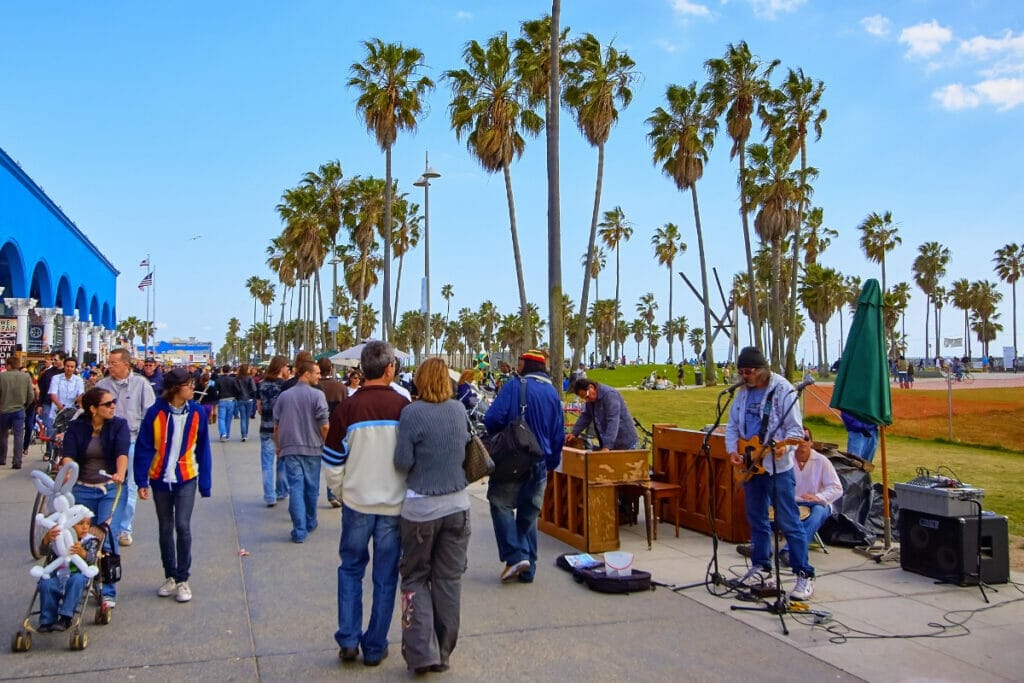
(927, 315)
(556, 315)
(615, 316)
(1013, 294)
(671, 326)
(386, 330)
(523, 308)
(398, 287)
(795, 268)
(755, 316)
(591, 242)
(320, 302)
(824, 342)
(775, 312)
(938, 327)
(709, 356)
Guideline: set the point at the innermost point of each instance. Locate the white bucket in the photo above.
(618, 563)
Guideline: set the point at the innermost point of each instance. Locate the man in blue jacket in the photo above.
(515, 505)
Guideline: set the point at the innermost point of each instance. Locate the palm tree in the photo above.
(822, 293)
(437, 327)
(697, 340)
(405, 235)
(253, 285)
(818, 237)
(984, 297)
(596, 81)
(901, 291)
(127, 329)
(879, 237)
(776, 191)
(637, 329)
(737, 82)
(960, 295)
(447, 292)
(1009, 261)
(364, 217)
(615, 230)
(593, 263)
(795, 107)
(307, 238)
(930, 267)
(668, 243)
(682, 137)
(538, 59)
(490, 107)
(390, 99)
(602, 319)
(645, 308)
(489, 318)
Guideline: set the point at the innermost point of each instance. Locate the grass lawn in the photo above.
(999, 471)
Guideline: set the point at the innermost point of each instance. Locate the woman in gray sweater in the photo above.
(432, 437)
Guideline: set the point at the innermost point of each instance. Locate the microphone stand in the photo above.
(712, 576)
(781, 605)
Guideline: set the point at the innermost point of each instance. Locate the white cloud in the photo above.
(955, 96)
(982, 47)
(666, 45)
(876, 25)
(463, 15)
(1003, 93)
(690, 9)
(925, 40)
(768, 9)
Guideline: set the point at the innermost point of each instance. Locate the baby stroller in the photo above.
(109, 570)
(53, 456)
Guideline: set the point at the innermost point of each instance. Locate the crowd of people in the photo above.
(390, 445)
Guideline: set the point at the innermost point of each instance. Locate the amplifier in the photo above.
(944, 499)
(946, 548)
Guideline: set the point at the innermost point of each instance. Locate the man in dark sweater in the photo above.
(607, 411)
(56, 368)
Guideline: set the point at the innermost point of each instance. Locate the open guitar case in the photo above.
(596, 579)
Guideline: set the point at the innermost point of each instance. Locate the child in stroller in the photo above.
(61, 593)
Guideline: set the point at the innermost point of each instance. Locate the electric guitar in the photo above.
(753, 452)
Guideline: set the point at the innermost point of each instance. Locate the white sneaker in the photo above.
(513, 570)
(167, 588)
(184, 592)
(124, 538)
(804, 588)
(756, 577)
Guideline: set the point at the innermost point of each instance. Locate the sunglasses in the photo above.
(108, 404)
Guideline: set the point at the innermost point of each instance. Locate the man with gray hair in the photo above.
(358, 459)
(134, 395)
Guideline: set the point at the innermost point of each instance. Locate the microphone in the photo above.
(732, 389)
(808, 381)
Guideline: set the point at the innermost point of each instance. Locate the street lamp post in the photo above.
(424, 182)
(334, 293)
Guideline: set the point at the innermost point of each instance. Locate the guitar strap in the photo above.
(765, 414)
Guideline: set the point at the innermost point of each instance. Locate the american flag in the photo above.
(144, 263)
(146, 282)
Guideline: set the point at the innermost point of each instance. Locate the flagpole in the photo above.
(145, 350)
(153, 321)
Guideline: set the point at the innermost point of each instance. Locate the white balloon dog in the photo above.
(65, 516)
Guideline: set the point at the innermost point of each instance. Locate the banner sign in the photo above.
(35, 338)
(952, 342)
(8, 338)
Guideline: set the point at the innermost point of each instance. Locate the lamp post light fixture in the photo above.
(424, 182)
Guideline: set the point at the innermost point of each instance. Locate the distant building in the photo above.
(180, 351)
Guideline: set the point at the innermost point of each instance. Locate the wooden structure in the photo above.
(678, 459)
(580, 503)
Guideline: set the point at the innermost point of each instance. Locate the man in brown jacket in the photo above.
(16, 394)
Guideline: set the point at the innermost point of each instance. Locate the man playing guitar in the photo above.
(765, 407)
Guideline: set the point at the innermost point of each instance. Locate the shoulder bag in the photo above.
(478, 463)
(515, 449)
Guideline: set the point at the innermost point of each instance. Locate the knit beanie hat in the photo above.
(534, 355)
(751, 357)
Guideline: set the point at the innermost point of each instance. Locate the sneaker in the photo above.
(167, 588)
(757, 577)
(512, 571)
(63, 623)
(125, 538)
(335, 503)
(804, 588)
(184, 592)
(348, 654)
(745, 549)
(108, 603)
(378, 660)
(244, 439)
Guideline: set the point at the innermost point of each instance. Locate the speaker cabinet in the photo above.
(946, 548)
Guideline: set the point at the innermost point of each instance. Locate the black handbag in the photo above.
(515, 449)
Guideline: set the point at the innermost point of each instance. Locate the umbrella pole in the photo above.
(885, 492)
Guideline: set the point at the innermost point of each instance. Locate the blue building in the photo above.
(55, 283)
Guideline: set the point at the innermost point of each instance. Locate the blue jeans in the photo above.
(225, 413)
(759, 496)
(101, 502)
(515, 507)
(52, 601)
(357, 530)
(242, 408)
(174, 518)
(127, 511)
(861, 445)
(47, 418)
(303, 474)
(819, 513)
(268, 464)
(12, 422)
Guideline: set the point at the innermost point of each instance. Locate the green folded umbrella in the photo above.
(862, 387)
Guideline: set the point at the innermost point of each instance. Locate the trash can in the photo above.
(698, 377)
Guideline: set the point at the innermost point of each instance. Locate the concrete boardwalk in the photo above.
(271, 615)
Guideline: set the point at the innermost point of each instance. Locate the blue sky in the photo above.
(152, 123)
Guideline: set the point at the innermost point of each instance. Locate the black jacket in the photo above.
(115, 437)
